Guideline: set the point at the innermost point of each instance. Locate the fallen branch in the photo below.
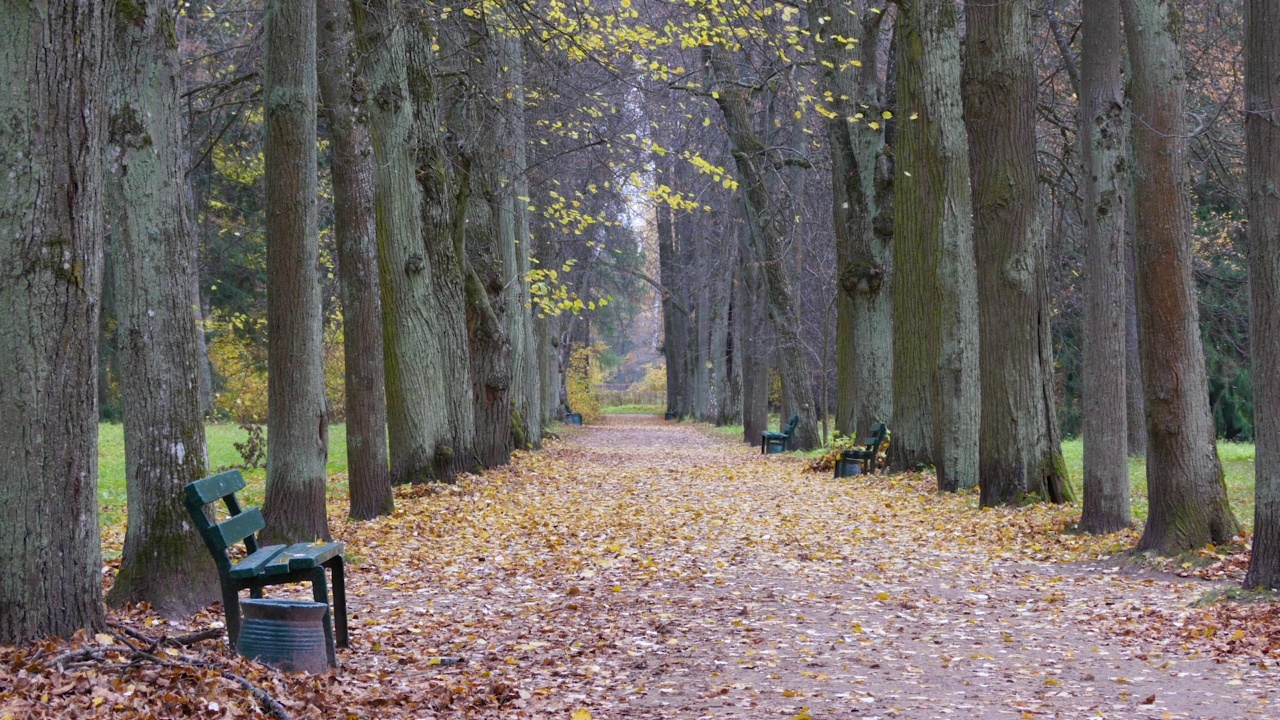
(136, 653)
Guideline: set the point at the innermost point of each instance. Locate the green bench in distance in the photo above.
(263, 566)
(776, 442)
(867, 456)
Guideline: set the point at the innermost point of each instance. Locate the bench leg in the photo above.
(320, 592)
(340, 601)
(231, 608)
(255, 593)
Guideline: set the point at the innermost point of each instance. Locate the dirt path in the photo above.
(641, 569)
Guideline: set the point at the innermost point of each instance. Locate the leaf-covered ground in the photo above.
(642, 569)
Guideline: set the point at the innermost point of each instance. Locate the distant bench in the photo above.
(867, 457)
(263, 566)
(776, 442)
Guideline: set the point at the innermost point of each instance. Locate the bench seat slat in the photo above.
(238, 527)
(302, 556)
(252, 566)
(214, 487)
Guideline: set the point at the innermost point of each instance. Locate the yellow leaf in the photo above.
(882, 596)
(104, 639)
(581, 714)
(803, 714)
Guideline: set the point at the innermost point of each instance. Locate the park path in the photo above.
(644, 569)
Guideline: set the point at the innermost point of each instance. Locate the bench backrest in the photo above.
(877, 438)
(791, 426)
(240, 526)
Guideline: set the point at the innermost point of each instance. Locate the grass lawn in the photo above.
(1237, 466)
(633, 410)
(221, 438)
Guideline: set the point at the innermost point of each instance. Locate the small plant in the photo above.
(826, 462)
(253, 451)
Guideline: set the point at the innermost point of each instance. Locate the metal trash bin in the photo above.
(285, 634)
(848, 467)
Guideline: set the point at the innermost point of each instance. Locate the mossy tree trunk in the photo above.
(153, 249)
(526, 396)
(1019, 453)
(1262, 129)
(1186, 490)
(297, 420)
(355, 233)
(52, 112)
(936, 392)
(1106, 180)
(864, 257)
(416, 417)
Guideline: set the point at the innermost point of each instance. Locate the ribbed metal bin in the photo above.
(846, 467)
(285, 634)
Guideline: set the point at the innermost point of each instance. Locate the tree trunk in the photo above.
(1019, 454)
(415, 415)
(51, 138)
(355, 232)
(298, 427)
(1102, 143)
(764, 236)
(1262, 130)
(1188, 496)
(153, 249)
(754, 352)
(864, 258)
(675, 318)
(935, 297)
(446, 194)
(1136, 402)
(526, 401)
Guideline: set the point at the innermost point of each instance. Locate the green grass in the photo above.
(1237, 466)
(633, 410)
(221, 438)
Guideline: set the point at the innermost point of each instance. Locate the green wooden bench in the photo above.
(571, 417)
(776, 442)
(264, 565)
(867, 456)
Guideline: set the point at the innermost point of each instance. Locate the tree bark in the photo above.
(298, 426)
(936, 392)
(764, 236)
(754, 353)
(526, 396)
(153, 250)
(355, 232)
(1262, 131)
(1019, 454)
(1102, 142)
(415, 415)
(51, 139)
(1186, 490)
(864, 257)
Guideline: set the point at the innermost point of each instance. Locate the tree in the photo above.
(1262, 125)
(355, 233)
(1102, 143)
(936, 393)
(51, 227)
(764, 240)
(157, 311)
(1188, 497)
(298, 425)
(1019, 453)
(864, 254)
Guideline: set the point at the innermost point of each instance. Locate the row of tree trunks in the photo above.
(1107, 383)
(936, 399)
(764, 235)
(1019, 454)
(153, 249)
